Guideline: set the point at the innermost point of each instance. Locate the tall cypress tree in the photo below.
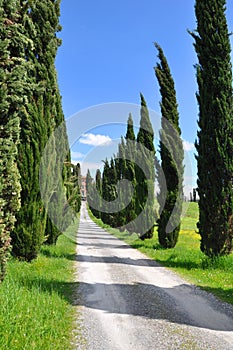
(105, 189)
(145, 175)
(88, 180)
(31, 219)
(129, 173)
(109, 193)
(98, 184)
(63, 185)
(43, 114)
(13, 92)
(73, 186)
(170, 197)
(130, 135)
(215, 135)
(120, 164)
(94, 194)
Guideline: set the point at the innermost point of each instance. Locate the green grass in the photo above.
(36, 310)
(215, 276)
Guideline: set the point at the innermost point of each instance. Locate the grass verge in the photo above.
(215, 276)
(36, 299)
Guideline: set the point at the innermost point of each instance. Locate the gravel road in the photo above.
(127, 301)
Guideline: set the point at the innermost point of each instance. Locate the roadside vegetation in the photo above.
(37, 311)
(212, 274)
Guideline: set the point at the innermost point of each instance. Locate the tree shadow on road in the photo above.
(141, 300)
(151, 301)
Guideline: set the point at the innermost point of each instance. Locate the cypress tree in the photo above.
(94, 194)
(215, 135)
(170, 197)
(61, 184)
(43, 114)
(13, 91)
(89, 187)
(109, 194)
(130, 129)
(120, 163)
(98, 184)
(129, 173)
(105, 189)
(145, 134)
(73, 186)
(145, 175)
(75, 198)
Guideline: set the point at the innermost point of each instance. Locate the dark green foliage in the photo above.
(145, 135)
(215, 135)
(28, 234)
(89, 189)
(120, 163)
(74, 198)
(62, 192)
(130, 136)
(109, 193)
(88, 183)
(64, 204)
(46, 18)
(13, 96)
(128, 181)
(194, 195)
(97, 202)
(124, 165)
(43, 114)
(126, 154)
(145, 176)
(170, 175)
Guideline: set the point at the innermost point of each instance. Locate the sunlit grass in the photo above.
(214, 275)
(36, 310)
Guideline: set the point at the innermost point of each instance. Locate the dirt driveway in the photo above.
(127, 301)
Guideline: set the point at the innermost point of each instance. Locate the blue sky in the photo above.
(108, 56)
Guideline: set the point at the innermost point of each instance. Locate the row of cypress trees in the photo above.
(214, 145)
(136, 162)
(31, 110)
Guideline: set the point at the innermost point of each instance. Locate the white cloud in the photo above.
(77, 155)
(95, 140)
(188, 146)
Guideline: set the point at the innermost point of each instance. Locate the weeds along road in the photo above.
(127, 301)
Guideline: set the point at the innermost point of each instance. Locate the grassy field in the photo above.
(186, 258)
(36, 310)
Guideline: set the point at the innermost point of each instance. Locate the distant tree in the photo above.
(194, 195)
(130, 135)
(120, 165)
(145, 134)
(75, 197)
(145, 176)
(98, 183)
(129, 174)
(88, 184)
(109, 193)
(97, 193)
(170, 197)
(73, 202)
(215, 135)
(105, 190)
(191, 197)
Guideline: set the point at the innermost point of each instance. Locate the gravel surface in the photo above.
(127, 301)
